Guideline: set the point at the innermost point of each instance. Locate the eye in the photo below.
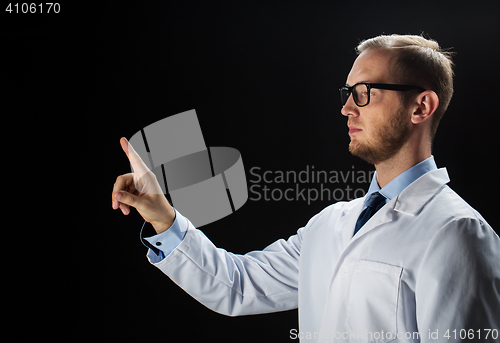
(364, 94)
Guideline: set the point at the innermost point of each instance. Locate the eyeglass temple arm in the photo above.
(395, 87)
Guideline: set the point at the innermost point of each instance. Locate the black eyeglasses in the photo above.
(361, 91)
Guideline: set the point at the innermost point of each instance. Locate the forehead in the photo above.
(371, 66)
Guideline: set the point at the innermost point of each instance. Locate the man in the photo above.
(411, 261)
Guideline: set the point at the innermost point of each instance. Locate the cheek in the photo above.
(372, 126)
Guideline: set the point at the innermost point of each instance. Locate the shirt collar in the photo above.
(403, 180)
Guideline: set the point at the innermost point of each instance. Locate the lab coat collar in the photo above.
(413, 198)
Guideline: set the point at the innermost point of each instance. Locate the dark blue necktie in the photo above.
(376, 201)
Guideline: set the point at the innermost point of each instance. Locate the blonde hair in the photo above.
(419, 62)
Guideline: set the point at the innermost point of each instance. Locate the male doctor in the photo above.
(409, 262)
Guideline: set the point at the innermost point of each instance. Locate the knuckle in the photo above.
(120, 182)
(122, 177)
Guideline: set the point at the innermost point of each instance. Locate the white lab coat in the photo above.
(424, 265)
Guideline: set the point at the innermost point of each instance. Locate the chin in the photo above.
(369, 154)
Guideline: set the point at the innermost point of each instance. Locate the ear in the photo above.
(426, 104)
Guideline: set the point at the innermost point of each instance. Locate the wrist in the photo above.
(163, 225)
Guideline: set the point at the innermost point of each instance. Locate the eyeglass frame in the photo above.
(369, 86)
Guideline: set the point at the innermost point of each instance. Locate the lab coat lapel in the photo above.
(382, 216)
(348, 220)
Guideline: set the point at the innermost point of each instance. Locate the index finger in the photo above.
(139, 167)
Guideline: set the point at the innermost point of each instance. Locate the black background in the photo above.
(263, 78)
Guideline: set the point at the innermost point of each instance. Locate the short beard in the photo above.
(388, 140)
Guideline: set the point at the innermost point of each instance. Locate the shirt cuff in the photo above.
(164, 243)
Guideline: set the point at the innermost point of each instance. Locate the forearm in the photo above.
(233, 284)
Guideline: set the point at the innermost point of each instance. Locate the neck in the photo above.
(408, 156)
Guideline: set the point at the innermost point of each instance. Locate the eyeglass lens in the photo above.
(359, 92)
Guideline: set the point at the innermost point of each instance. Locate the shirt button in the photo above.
(158, 244)
(342, 272)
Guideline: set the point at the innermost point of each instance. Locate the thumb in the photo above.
(128, 198)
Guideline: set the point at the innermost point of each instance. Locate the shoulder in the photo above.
(459, 219)
(466, 238)
(448, 204)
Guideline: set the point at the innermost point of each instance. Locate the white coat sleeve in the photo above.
(231, 284)
(458, 284)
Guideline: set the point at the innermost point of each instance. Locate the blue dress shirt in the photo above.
(400, 182)
(165, 242)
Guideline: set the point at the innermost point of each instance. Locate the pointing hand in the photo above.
(141, 190)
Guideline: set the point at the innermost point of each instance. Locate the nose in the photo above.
(350, 108)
